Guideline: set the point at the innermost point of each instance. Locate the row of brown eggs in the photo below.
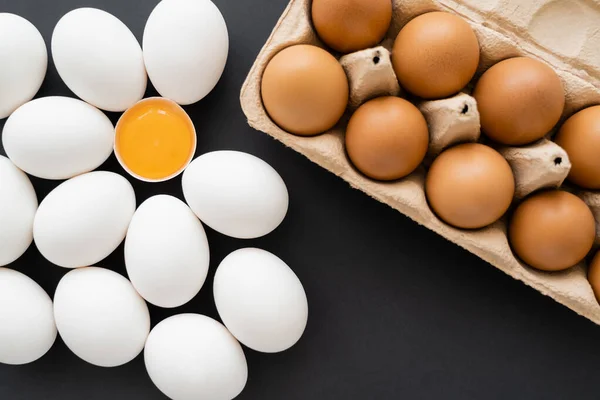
(469, 186)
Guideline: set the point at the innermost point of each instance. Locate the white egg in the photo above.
(23, 62)
(99, 59)
(185, 48)
(191, 356)
(166, 252)
(27, 329)
(260, 300)
(58, 137)
(236, 194)
(18, 204)
(100, 316)
(84, 219)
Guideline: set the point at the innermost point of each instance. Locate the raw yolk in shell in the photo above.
(155, 139)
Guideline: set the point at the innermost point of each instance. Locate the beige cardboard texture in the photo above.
(370, 74)
(562, 33)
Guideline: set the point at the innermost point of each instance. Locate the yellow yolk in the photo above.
(155, 139)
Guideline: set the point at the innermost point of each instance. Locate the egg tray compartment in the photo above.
(561, 33)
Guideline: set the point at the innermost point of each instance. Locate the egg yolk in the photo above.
(155, 138)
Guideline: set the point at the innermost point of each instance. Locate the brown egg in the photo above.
(470, 186)
(594, 275)
(304, 90)
(552, 230)
(351, 25)
(387, 138)
(435, 55)
(580, 137)
(519, 100)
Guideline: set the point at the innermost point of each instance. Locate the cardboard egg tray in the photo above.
(563, 33)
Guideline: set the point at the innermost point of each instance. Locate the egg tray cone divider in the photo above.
(558, 32)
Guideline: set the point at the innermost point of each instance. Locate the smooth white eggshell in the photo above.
(191, 356)
(100, 316)
(235, 193)
(18, 204)
(84, 219)
(185, 48)
(99, 59)
(27, 329)
(260, 300)
(23, 62)
(166, 252)
(58, 137)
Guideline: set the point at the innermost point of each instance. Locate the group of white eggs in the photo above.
(100, 315)
(184, 52)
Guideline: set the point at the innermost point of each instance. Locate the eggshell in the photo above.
(594, 275)
(166, 252)
(18, 204)
(387, 138)
(236, 194)
(533, 86)
(435, 55)
(580, 137)
(190, 356)
(99, 59)
(351, 25)
(84, 219)
(100, 316)
(305, 90)
(23, 61)
(58, 137)
(552, 230)
(185, 48)
(260, 300)
(470, 186)
(27, 329)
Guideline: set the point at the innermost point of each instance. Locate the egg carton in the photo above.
(562, 33)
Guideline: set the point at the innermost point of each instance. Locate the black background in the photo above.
(394, 310)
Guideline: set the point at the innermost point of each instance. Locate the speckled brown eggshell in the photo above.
(552, 230)
(435, 55)
(304, 90)
(351, 25)
(580, 138)
(519, 100)
(387, 138)
(594, 275)
(470, 186)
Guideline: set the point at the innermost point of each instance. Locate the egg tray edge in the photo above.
(570, 287)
